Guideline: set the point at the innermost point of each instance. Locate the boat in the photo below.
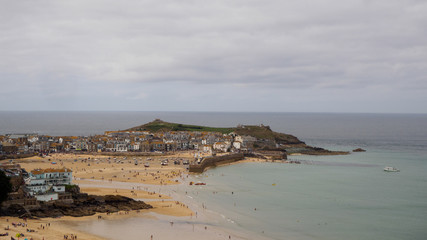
(200, 183)
(391, 169)
(146, 165)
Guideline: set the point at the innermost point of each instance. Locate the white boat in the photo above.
(391, 169)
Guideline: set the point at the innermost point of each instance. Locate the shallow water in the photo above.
(318, 201)
(326, 197)
(155, 225)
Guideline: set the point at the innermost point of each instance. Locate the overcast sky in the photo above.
(218, 55)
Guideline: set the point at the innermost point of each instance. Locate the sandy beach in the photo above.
(104, 175)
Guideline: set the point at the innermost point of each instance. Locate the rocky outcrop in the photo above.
(359, 150)
(84, 205)
(308, 150)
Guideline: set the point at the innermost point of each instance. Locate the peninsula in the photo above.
(104, 176)
(248, 138)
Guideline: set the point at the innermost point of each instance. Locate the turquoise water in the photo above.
(330, 197)
(326, 197)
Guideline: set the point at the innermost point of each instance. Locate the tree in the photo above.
(5, 186)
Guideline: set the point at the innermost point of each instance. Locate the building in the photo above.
(9, 148)
(221, 146)
(207, 148)
(45, 184)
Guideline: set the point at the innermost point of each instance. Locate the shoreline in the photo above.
(155, 185)
(158, 220)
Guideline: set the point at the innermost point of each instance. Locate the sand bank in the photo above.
(103, 175)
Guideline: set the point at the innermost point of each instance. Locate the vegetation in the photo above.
(265, 138)
(160, 126)
(260, 132)
(72, 188)
(5, 186)
(265, 133)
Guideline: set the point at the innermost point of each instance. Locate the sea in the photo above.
(324, 197)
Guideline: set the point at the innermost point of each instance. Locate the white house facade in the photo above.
(47, 181)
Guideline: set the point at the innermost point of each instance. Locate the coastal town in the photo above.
(49, 184)
(125, 142)
(49, 175)
(159, 137)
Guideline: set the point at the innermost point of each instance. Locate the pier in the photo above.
(214, 161)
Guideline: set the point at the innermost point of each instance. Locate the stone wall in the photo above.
(273, 155)
(215, 161)
(27, 202)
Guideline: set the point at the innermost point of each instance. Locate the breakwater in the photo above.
(214, 161)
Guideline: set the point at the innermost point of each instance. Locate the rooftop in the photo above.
(50, 170)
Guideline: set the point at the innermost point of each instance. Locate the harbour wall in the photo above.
(215, 161)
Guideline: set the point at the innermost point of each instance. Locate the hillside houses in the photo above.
(126, 142)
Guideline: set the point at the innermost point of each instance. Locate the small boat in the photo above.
(391, 169)
(200, 183)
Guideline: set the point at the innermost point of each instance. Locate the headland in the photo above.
(117, 170)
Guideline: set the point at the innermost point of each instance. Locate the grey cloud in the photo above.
(326, 44)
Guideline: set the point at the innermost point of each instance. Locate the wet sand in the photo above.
(103, 175)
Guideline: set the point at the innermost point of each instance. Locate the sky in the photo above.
(366, 56)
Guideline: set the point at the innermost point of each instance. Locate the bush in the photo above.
(5, 186)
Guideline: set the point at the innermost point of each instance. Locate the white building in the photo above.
(52, 196)
(237, 145)
(120, 147)
(43, 181)
(221, 146)
(207, 148)
(245, 141)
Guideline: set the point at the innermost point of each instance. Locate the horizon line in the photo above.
(190, 111)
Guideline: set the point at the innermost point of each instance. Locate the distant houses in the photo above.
(132, 141)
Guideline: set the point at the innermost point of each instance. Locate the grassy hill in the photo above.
(161, 126)
(266, 138)
(265, 133)
(260, 132)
